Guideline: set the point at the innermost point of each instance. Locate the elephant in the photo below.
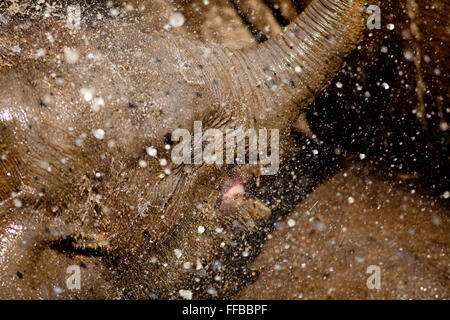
(134, 215)
(86, 120)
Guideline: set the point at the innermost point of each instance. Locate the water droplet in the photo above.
(201, 229)
(176, 20)
(408, 55)
(71, 55)
(178, 253)
(186, 294)
(99, 134)
(87, 94)
(142, 163)
(291, 222)
(97, 103)
(212, 291)
(17, 203)
(151, 151)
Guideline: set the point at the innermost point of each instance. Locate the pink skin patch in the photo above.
(232, 190)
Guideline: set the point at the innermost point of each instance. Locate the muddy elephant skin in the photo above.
(85, 171)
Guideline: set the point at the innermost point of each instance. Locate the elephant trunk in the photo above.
(275, 80)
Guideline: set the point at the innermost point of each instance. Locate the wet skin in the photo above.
(78, 110)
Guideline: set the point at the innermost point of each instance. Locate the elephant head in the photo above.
(86, 117)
